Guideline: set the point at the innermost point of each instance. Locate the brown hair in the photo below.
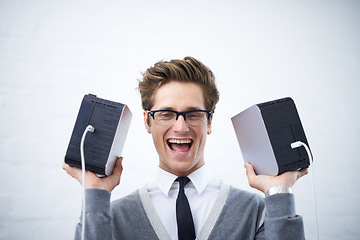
(187, 70)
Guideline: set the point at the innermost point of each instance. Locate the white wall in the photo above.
(54, 52)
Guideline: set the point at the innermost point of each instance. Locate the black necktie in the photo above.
(186, 230)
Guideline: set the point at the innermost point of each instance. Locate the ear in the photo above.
(146, 122)
(209, 125)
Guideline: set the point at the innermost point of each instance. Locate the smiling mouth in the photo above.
(179, 145)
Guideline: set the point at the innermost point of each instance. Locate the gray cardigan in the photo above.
(236, 214)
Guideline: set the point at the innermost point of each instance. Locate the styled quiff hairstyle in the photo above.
(187, 70)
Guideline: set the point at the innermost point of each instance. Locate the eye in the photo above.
(194, 115)
(165, 115)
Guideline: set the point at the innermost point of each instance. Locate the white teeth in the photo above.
(179, 141)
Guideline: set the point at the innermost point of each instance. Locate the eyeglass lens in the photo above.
(165, 118)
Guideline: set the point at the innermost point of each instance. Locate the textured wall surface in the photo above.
(54, 52)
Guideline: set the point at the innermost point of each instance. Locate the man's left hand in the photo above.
(263, 182)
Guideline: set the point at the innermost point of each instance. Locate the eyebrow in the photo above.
(187, 109)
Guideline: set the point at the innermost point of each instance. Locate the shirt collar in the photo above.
(199, 178)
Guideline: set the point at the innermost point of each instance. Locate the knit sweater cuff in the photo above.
(280, 205)
(97, 200)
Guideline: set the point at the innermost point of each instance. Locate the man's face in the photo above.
(180, 146)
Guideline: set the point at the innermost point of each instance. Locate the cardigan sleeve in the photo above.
(98, 217)
(281, 220)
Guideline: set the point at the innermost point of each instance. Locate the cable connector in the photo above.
(90, 128)
(296, 144)
(301, 144)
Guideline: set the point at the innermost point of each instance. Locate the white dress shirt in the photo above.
(201, 192)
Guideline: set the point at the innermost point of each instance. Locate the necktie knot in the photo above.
(183, 181)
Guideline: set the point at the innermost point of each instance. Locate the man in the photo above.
(179, 98)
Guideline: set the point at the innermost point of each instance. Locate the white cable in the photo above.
(299, 144)
(89, 128)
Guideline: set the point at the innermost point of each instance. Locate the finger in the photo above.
(114, 179)
(256, 181)
(118, 166)
(72, 171)
(65, 166)
(250, 173)
(302, 173)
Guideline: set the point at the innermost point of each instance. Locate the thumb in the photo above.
(114, 179)
(118, 167)
(255, 181)
(250, 173)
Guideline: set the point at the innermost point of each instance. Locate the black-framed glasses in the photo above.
(169, 117)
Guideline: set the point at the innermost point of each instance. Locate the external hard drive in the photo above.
(111, 121)
(265, 131)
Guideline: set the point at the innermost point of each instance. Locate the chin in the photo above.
(182, 167)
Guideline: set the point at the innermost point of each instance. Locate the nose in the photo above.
(180, 125)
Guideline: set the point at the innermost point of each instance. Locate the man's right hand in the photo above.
(92, 181)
